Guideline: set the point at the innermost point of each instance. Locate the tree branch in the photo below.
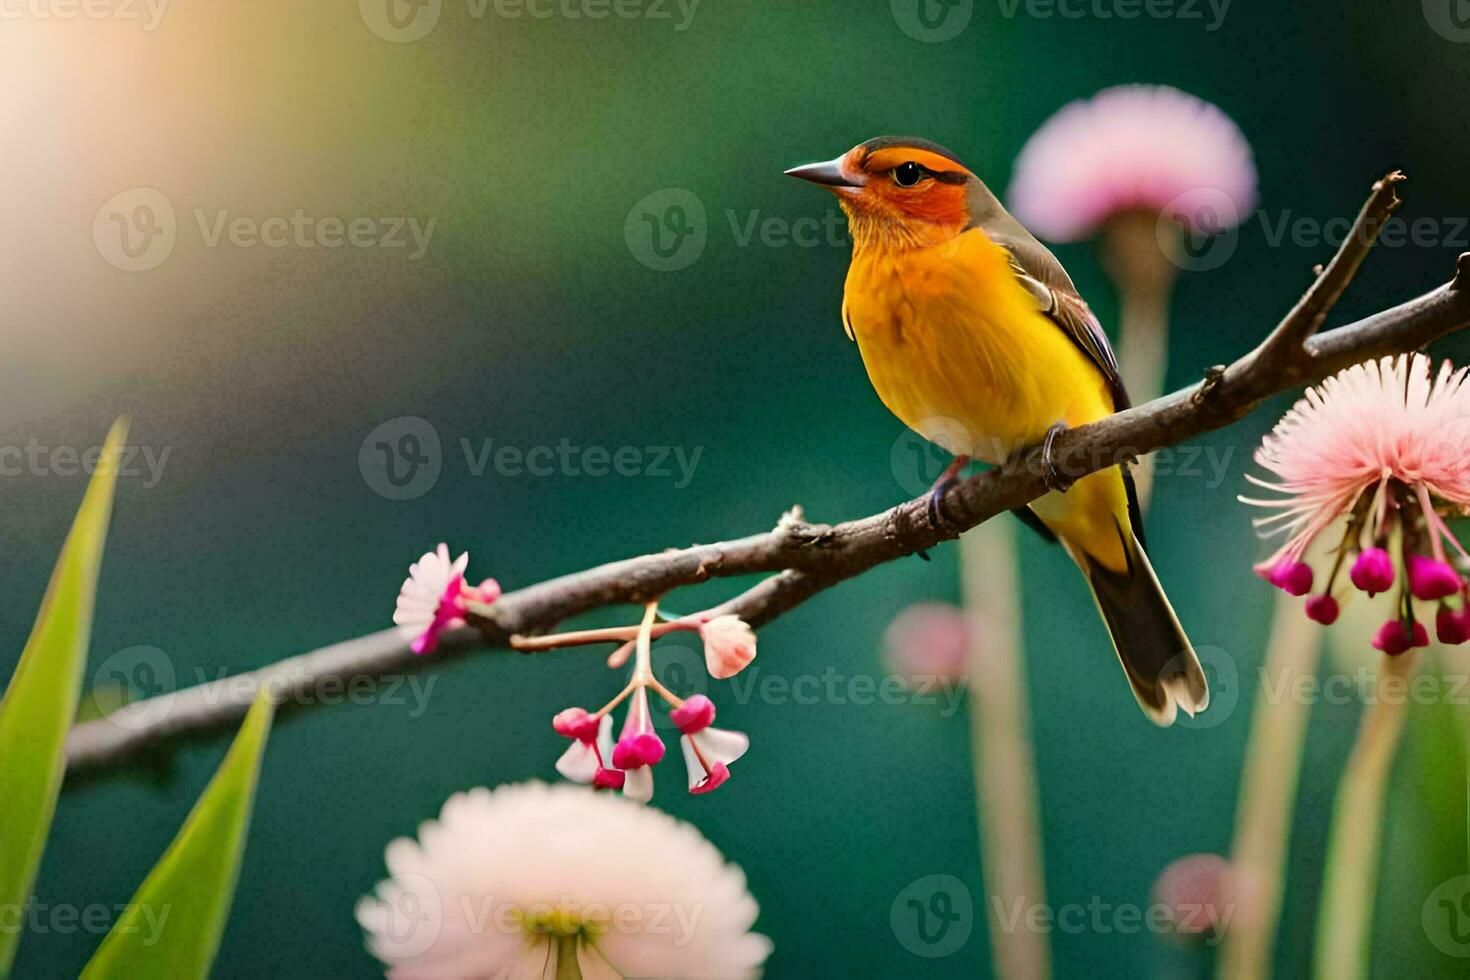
(809, 558)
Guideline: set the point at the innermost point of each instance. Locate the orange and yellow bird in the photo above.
(974, 336)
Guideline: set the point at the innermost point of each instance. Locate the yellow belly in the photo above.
(959, 351)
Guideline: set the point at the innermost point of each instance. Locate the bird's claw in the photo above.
(1056, 480)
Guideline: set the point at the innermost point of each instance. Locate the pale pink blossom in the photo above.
(1381, 451)
(530, 880)
(1145, 148)
(729, 645)
(435, 598)
(927, 646)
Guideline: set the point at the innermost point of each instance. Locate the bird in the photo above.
(975, 337)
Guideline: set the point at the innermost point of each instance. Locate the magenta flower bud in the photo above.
(609, 778)
(1294, 577)
(1323, 609)
(1452, 628)
(577, 723)
(1430, 578)
(1373, 571)
(633, 751)
(1394, 638)
(694, 715)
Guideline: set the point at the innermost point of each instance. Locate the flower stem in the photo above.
(1345, 916)
(1268, 793)
(1144, 277)
(567, 967)
(1004, 761)
(610, 634)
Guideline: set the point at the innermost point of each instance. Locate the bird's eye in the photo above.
(908, 174)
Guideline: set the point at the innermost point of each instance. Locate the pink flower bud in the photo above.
(1196, 890)
(718, 774)
(1452, 628)
(1394, 638)
(1323, 609)
(694, 715)
(576, 723)
(1294, 577)
(1430, 578)
(634, 751)
(1373, 571)
(729, 645)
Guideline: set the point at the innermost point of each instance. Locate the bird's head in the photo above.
(897, 189)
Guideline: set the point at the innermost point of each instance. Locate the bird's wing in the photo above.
(1044, 278)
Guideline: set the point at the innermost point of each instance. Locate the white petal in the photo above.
(720, 745)
(639, 784)
(578, 763)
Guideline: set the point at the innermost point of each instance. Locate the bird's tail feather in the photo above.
(1156, 655)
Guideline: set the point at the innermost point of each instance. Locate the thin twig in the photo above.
(808, 558)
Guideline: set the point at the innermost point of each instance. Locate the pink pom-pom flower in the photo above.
(1133, 148)
(1379, 450)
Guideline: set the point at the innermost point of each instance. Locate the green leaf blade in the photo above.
(173, 925)
(41, 697)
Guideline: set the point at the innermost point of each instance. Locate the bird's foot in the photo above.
(1055, 479)
(937, 517)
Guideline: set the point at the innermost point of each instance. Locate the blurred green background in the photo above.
(530, 319)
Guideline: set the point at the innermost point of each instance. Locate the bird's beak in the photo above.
(830, 174)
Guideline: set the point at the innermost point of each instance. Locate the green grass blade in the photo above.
(172, 927)
(42, 695)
